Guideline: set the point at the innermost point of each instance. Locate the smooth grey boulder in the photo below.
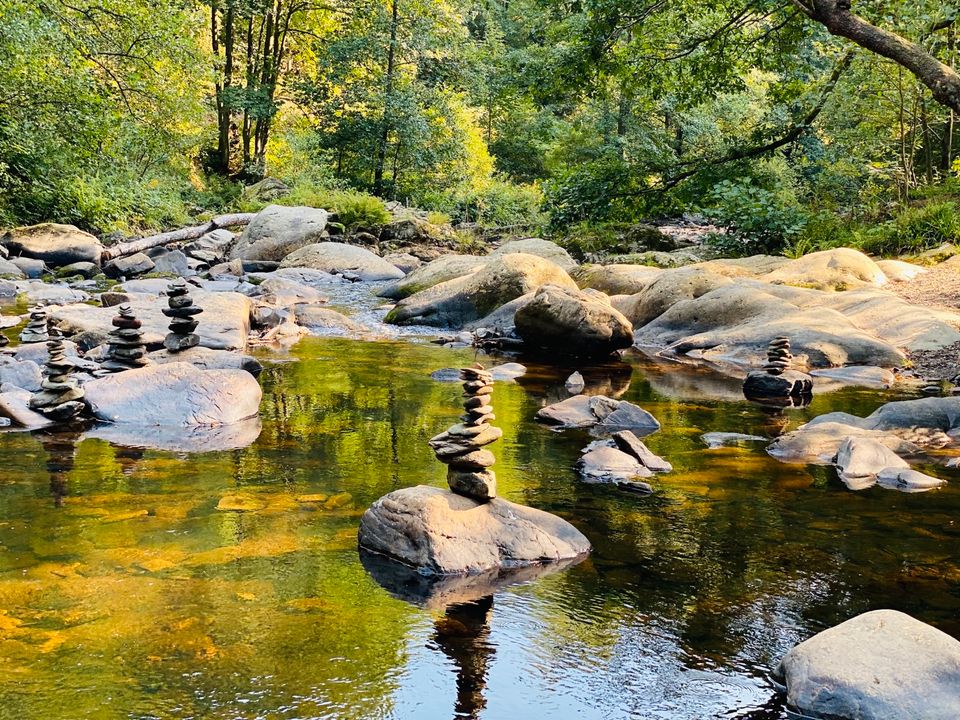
(30, 267)
(907, 480)
(941, 413)
(632, 445)
(441, 533)
(224, 322)
(627, 417)
(539, 247)
(15, 404)
(11, 270)
(129, 266)
(860, 459)
(209, 359)
(174, 394)
(173, 262)
(47, 294)
(818, 443)
(604, 464)
(881, 665)
(572, 322)
(277, 231)
(444, 268)
(212, 247)
(580, 411)
(53, 243)
(457, 302)
(280, 292)
(326, 322)
(84, 269)
(335, 257)
(22, 374)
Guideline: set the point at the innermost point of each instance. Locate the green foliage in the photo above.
(915, 229)
(496, 203)
(757, 221)
(355, 209)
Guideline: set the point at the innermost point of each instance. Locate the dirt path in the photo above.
(939, 287)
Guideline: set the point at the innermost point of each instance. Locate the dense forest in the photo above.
(797, 124)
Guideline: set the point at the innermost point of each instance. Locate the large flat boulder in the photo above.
(53, 243)
(881, 665)
(174, 394)
(668, 289)
(573, 322)
(224, 322)
(818, 443)
(333, 257)
(456, 302)
(837, 269)
(277, 231)
(441, 533)
(615, 279)
(539, 247)
(445, 267)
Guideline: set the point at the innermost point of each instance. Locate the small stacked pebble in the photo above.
(126, 350)
(460, 448)
(182, 310)
(60, 395)
(36, 329)
(778, 356)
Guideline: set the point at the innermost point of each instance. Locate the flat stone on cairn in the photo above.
(36, 329)
(126, 348)
(60, 397)
(182, 310)
(460, 448)
(778, 379)
(467, 531)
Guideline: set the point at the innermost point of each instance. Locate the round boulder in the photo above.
(572, 322)
(277, 231)
(881, 665)
(335, 257)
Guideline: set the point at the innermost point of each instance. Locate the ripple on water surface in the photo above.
(145, 582)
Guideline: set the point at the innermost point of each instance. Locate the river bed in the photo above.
(126, 592)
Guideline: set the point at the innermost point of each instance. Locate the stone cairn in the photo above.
(181, 335)
(778, 356)
(778, 381)
(36, 329)
(460, 448)
(126, 350)
(60, 397)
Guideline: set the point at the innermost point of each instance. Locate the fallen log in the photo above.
(174, 236)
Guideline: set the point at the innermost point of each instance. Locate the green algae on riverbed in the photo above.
(136, 596)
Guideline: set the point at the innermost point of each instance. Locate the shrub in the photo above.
(355, 209)
(757, 220)
(915, 229)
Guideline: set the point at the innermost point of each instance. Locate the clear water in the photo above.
(126, 593)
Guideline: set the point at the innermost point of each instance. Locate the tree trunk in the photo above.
(174, 236)
(223, 142)
(836, 16)
(381, 154)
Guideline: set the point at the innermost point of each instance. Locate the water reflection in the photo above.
(144, 596)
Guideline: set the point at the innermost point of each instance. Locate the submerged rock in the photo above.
(860, 460)
(441, 533)
(174, 394)
(907, 480)
(192, 439)
(881, 665)
(714, 440)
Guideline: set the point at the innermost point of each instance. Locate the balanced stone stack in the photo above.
(182, 310)
(60, 397)
(461, 447)
(778, 381)
(36, 329)
(778, 356)
(126, 349)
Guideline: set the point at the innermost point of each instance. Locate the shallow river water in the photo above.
(126, 593)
